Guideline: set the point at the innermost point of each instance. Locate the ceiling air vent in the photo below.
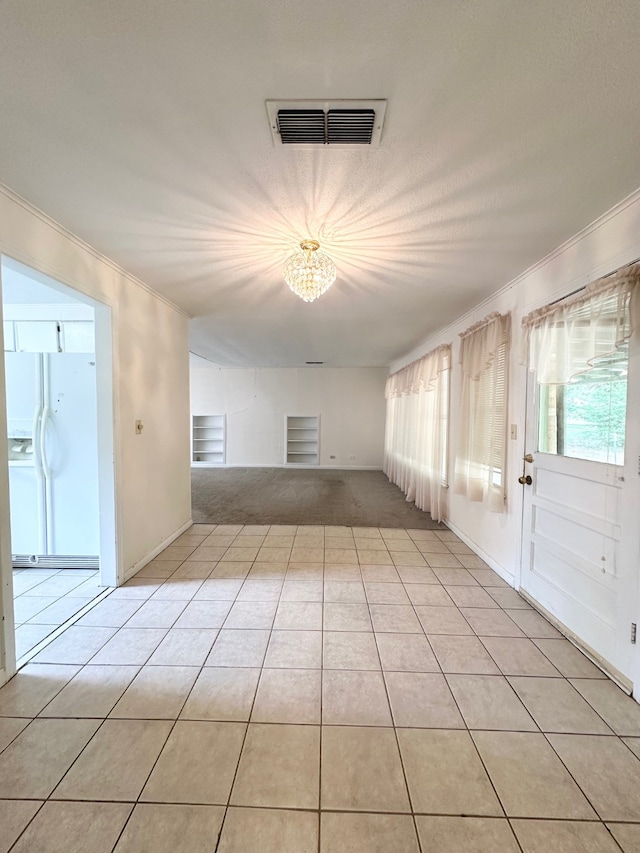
(340, 124)
(350, 127)
(302, 127)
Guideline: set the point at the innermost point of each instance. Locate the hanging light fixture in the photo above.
(309, 273)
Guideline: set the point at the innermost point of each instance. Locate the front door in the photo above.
(579, 557)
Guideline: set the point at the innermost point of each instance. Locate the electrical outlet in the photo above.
(139, 427)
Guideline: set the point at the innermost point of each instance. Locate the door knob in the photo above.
(528, 457)
(526, 481)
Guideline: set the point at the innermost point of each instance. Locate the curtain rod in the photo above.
(420, 358)
(584, 286)
(495, 315)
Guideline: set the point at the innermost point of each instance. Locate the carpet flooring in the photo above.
(286, 496)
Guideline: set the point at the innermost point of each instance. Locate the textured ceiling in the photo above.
(141, 127)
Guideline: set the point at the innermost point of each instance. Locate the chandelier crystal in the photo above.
(309, 273)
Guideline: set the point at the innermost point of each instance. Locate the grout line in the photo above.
(484, 766)
(613, 838)
(242, 746)
(575, 781)
(8, 744)
(334, 810)
(397, 742)
(124, 826)
(137, 799)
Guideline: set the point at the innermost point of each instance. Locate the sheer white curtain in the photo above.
(415, 456)
(569, 337)
(481, 448)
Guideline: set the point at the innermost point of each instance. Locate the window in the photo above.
(585, 418)
(578, 349)
(415, 456)
(481, 448)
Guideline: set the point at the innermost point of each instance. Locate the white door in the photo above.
(23, 382)
(70, 444)
(576, 562)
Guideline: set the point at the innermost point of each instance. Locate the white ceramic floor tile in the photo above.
(77, 645)
(197, 764)
(32, 688)
(156, 693)
(269, 831)
(132, 646)
(10, 728)
(288, 696)
(116, 763)
(64, 827)
(362, 771)
(171, 829)
(92, 693)
(222, 693)
(38, 758)
(184, 647)
(279, 767)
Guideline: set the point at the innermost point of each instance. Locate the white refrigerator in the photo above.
(53, 459)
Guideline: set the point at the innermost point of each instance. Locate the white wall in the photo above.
(350, 402)
(602, 247)
(150, 382)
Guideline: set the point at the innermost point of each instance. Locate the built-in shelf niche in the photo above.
(208, 440)
(302, 439)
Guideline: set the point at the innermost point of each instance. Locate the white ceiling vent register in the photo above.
(339, 124)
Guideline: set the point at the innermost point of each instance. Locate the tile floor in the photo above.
(295, 690)
(44, 599)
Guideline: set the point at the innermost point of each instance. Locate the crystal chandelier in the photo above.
(309, 273)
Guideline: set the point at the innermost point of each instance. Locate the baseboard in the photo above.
(292, 467)
(602, 663)
(620, 679)
(497, 568)
(157, 550)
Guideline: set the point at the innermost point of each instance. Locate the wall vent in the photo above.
(340, 124)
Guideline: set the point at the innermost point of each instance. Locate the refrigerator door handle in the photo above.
(48, 492)
(35, 441)
(43, 443)
(43, 522)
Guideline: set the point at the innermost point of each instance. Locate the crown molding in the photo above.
(86, 247)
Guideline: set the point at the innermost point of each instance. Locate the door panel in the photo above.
(23, 391)
(71, 444)
(590, 614)
(571, 543)
(583, 537)
(23, 383)
(576, 486)
(27, 535)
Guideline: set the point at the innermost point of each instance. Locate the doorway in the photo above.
(57, 381)
(580, 540)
